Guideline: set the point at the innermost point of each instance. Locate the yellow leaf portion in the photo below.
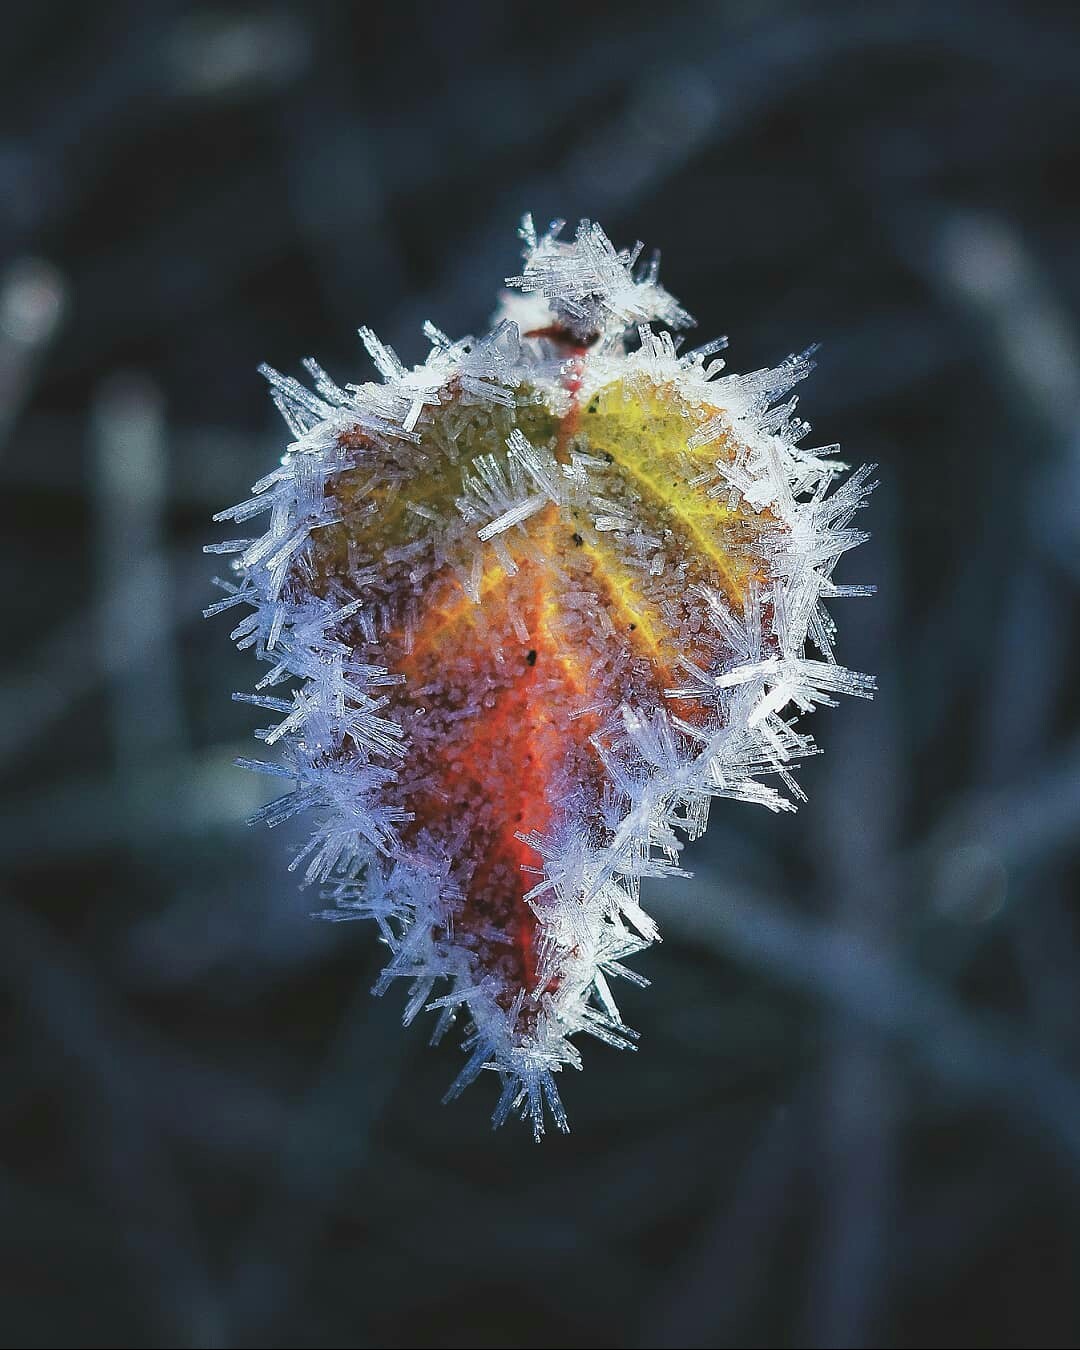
(644, 428)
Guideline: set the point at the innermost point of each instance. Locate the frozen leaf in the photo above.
(541, 598)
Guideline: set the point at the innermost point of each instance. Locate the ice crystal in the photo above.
(529, 607)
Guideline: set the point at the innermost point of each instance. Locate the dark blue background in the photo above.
(855, 1114)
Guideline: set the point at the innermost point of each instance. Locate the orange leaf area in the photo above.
(517, 653)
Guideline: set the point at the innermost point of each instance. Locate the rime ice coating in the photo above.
(535, 602)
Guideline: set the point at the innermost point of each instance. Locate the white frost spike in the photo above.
(590, 286)
(451, 564)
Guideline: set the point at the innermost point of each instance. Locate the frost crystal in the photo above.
(528, 608)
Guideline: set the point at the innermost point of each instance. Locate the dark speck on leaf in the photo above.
(531, 658)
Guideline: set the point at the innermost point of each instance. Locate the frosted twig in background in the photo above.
(130, 491)
(32, 300)
(42, 703)
(862, 1100)
(985, 1059)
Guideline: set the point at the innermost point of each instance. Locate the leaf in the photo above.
(583, 608)
(545, 598)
